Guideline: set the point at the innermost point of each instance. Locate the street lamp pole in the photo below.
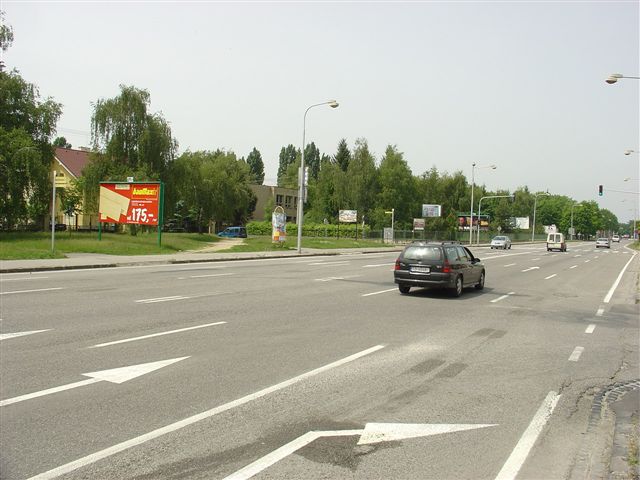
(614, 77)
(535, 204)
(301, 175)
(473, 184)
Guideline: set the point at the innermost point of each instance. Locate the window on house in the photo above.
(279, 200)
(287, 201)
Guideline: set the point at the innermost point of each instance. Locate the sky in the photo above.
(517, 84)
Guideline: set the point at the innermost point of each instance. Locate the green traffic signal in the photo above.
(600, 190)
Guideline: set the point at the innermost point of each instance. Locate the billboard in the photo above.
(431, 210)
(418, 223)
(521, 223)
(278, 225)
(132, 203)
(465, 219)
(348, 216)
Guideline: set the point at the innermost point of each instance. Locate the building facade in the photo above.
(270, 197)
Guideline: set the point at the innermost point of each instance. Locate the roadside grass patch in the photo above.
(264, 244)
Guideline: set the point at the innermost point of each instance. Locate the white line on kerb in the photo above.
(120, 447)
(502, 297)
(30, 291)
(590, 328)
(615, 284)
(378, 293)
(575, 355)
(126, 340)
(520, 453)
(550, 276)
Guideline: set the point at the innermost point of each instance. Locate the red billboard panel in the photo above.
(137, 203)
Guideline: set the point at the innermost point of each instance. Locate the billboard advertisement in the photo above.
(348, 216)
(521, 223)
(278, 225)
(431, 210)
(418, 223)
(465, 220)
(131, 203)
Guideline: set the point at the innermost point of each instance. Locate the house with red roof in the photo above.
(68, 164)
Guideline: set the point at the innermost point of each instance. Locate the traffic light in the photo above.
(600, 189)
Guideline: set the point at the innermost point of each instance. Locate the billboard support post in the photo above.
(161, 214)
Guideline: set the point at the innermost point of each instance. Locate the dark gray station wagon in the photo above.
(438, 264)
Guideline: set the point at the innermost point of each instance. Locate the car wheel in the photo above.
(480, 284)
(404, 289)
(456, 291)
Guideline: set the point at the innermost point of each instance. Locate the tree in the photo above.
(343, 155)
(256, 166)
(287, 156)
(312, 160)
(397, 187)
(61, 142)
(26, 126)
(362, 179)
(128, 135)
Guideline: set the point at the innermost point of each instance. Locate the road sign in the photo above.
(418, 223)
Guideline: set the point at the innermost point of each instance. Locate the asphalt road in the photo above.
(495, 384)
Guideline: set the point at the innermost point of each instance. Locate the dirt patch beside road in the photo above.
(222, 244)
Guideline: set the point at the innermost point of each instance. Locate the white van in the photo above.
(555, 241)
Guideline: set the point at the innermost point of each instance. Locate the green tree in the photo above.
(362, 180)
(343, 155)
(397, 188)
(312, 160)
(129, 135)
(61, 142)
(26, 125)
(287, 156)
(256, 166)
(6, 34)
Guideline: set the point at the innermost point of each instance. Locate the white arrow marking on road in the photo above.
(387, 432)
(372, 433)
(5, 336)
(114, 375)
(531, 268)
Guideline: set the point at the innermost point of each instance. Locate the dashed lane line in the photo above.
(590, 328)
(159, 334)
(550, 276)
(31, 291)
(495, 300)
(575, 355)
(378, 293)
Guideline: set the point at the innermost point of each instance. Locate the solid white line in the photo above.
(155, 335)
(377, 293)
(573, 266)
(286, 450)
(20, 279)
(329, 263)
(37, 290)
(575, 355)
(161, 299)
(615, 284)
(550, 276)
(6, 336)
(520, 453)
(107, 452)
(502, 297)
(590, 328)
(600, 312)
(49, 391)
(211, 275)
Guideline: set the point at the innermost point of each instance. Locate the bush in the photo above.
(311, 230)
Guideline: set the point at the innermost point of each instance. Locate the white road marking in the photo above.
(596, 256)
(502, 297)
(329, 279)
(550, 276)
(372, 433)
(30, 291)
(600, 312)
(510, 265)
(328, 263)
(575, 355)
(587, 261)
(20, 279)
(590, 328)
(114, 375)
(535, 259)
(161, 299)
(211, 275)
(133, 339)
(573, 266)
(531, 268)
(576, 256)
(379, 265)
(377, 293)
(521, 451)
(615, 284)
(6, 336)
(120, 447)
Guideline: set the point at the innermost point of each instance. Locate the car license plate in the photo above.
(421, 269)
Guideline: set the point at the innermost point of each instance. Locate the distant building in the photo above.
(68, 164)
(287, 198)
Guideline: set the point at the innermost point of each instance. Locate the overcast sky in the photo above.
(518, 84)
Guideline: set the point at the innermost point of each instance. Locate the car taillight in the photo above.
(447, 267)
(397, 265)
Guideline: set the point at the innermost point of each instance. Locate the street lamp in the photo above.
(614, 77)
(473, 184)
(535, 204)
(301, 175)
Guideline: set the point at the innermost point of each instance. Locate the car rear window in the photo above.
(500, 238)
(423, 253)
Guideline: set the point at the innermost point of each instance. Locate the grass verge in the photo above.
(264, 244)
